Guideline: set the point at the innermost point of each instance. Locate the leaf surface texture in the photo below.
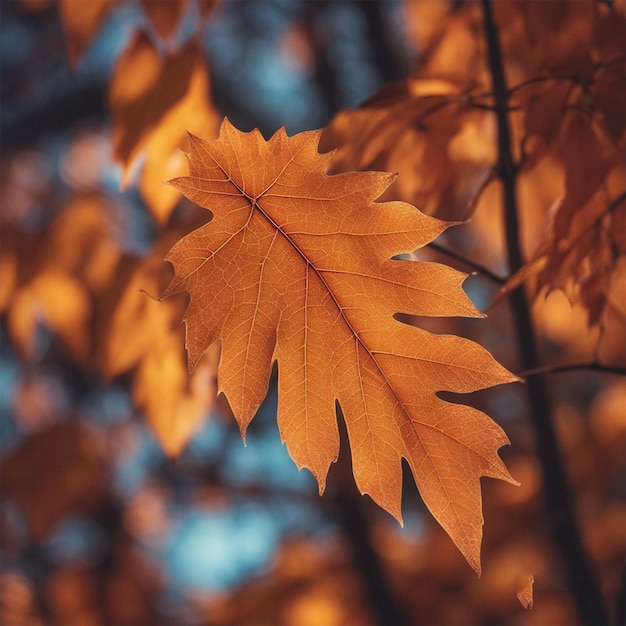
(297, 267)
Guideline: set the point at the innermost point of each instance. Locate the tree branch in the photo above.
(352, 512)
(386, 53)
(564, 529)
(573, 367)
(477, 267)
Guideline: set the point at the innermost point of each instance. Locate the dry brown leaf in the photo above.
(297, 268)
(544, 109)
(525, 592)
(587, 160)
(165, 16)
(428, 131)
(613, 323)
(583, 73)
(582, 262)
(54, 472)
(145, 336)
(584, 236)
(82, 20)
(153, 100)
(607, 95)
(557, 35)
(448, 39)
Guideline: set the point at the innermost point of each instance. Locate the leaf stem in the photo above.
(558, 500)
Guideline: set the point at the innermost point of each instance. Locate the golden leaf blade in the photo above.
(297, 267)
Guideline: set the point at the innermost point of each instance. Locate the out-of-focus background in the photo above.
(128, 496)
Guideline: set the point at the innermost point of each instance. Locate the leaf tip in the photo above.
(397, 514)
(175, 182)
(517, 379)
(243, 428)
(506, 477)
(472, 556)
(506, 377)
(193, 139)
(225, 126)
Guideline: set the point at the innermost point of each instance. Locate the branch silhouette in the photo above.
(560, 368)
(558, 499)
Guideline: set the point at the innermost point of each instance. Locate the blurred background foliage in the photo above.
(127, 495)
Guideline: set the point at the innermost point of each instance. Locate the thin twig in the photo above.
(538, 79)
(558, 499)
(477, 267)
(561, 77)
(573, 367)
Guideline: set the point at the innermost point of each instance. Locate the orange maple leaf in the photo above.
(297, 267)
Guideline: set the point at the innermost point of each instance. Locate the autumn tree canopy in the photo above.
(394, 234)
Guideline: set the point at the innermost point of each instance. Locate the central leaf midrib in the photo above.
(336, 302)
(369, 352)
(254, 202)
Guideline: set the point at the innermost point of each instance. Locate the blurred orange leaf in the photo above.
(50, 279)
(82, 20)
(36, 291)
(153, 99)
(297, 268)
(428, 130)
(584, 237)
(144, 335)
(59, 301)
